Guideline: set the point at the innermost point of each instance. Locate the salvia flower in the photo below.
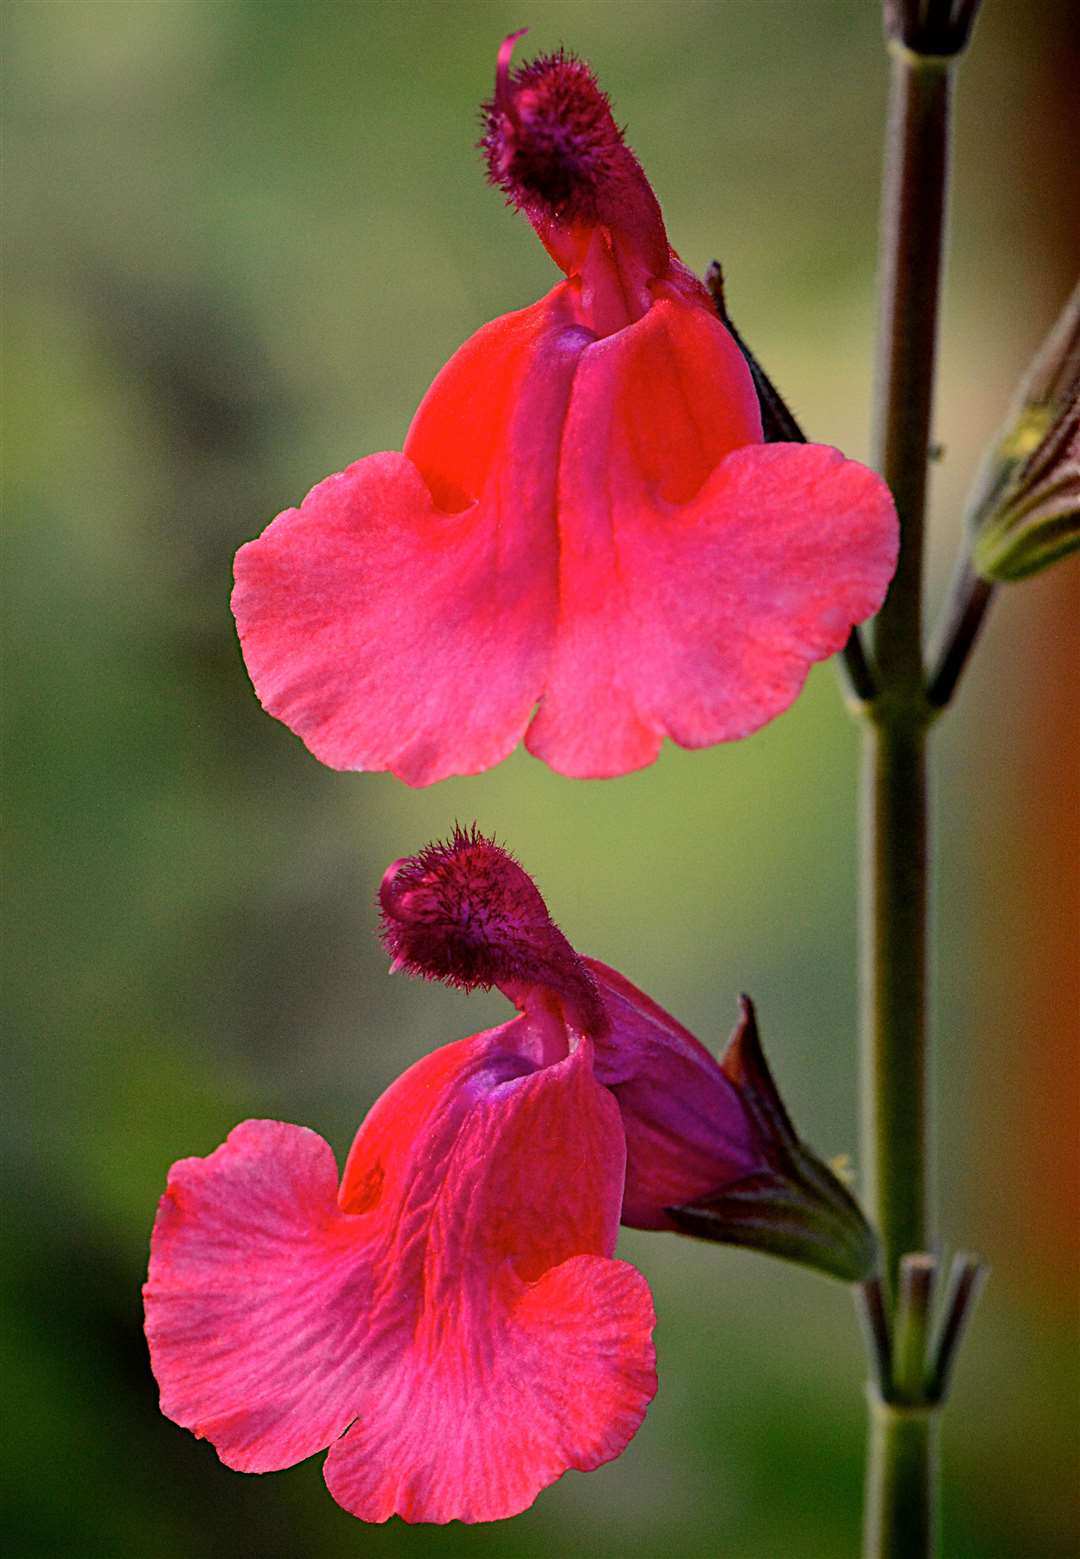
(710, 1148)
(585, 541)
(449, 1321)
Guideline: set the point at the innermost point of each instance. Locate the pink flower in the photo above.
(468, 914)
(585, 541)
(710, 1149)
(449, 1322)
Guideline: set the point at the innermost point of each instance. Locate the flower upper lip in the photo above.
(554, 149)
(465, 912)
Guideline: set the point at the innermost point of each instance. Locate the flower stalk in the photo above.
(902, 1463)
(901, 1481)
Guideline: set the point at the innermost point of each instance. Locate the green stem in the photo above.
(901, 1478)
(895, 1104)
(913, 223)
(901, 1481)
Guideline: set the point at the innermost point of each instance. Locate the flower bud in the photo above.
(938, 29)
(1027, 511)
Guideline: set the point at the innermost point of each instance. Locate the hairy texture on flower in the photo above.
(549, 136)
(466, 913)
(687, 1131)
(555, 151)
(585, 542)
(449, 1322)
(710, 1148)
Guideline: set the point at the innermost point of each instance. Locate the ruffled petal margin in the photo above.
(402, 617)
(468, 1323)
(258, 1298)
(694, 615)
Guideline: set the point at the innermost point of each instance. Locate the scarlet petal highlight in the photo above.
(585, 521)
(402, 617)
(453, 1326)
(527, 1358)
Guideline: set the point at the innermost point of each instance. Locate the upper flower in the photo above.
(585, 541)
(584, 517)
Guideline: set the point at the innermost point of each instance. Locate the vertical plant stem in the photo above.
(895, 1103)
(901, 1481)
(912, 233)
(901, 1487)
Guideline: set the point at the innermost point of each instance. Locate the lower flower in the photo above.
(449, 1322)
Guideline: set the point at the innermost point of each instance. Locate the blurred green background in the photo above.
(243, 235)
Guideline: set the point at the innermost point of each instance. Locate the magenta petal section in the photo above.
(450, 1322)
(699, 578)
(258, 1298)
(525, 1350)
(556, 1376)
(687, 1132)
(402, 617)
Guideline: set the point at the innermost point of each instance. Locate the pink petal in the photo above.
(477, 1422)
(402, 617)
(258, 1297)
(687, 1132)
(693, 599)
(455, 1302)
(525, 1351)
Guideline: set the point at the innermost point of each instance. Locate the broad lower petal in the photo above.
(476, 1424)
(258, 1298)
(402, 617)
(694, 596)
(456, 1303)
(529, 1351)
